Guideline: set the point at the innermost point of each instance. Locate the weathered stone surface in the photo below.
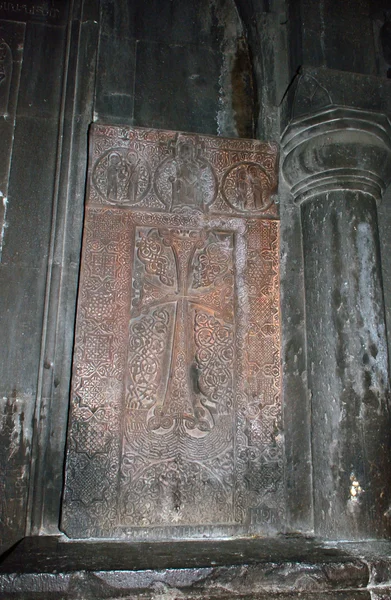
(115, 86)
(318, 89)
(242, 90)
(30, 104)
(325, 24)
(344, 36)
(175, 420)
(348, 373)
(338, 164)
(201, 51)
(265, 25)
(197, 75)
(384, 222)
(11, 53)
(283, 567)
(15, 441)
(57, 345)
(297, 404)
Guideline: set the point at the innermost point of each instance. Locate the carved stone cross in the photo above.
(176, 410)
(185, 269)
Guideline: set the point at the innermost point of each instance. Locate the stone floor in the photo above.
(282, 567)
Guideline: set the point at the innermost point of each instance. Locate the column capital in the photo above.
(338, 148)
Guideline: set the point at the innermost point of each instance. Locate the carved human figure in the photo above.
(185, 182)
(112, 176)
(242, 187)
(117, 172)
(257, 200)
(249, 190)
(133, 176)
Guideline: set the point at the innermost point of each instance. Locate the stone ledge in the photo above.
(283, 567)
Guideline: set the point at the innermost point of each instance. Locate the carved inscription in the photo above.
(22, 11)
(176, 409)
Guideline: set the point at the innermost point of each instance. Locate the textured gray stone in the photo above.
(116, 75)
(52, 403)
(297, 406)
(254, 55)
(197, 75)
(281, 568)
(338, 164)
(325, 24)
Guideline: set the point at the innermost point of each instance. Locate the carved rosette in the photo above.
(176, 401)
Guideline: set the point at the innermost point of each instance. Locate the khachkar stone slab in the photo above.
(176, 410)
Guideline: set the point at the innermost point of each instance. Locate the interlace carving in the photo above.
(176, 411)
(212, 264)
(183, 404)
(214, 356)
(146, 346)
(150, 252)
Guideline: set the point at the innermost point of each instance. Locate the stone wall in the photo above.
(214, 67)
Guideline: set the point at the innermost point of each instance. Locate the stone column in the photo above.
(337, 163)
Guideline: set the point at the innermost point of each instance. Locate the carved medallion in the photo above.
(246, 187)
(121, 177)
(176, 408)
(186, 180)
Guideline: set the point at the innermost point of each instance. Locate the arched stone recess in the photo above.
(160, 64)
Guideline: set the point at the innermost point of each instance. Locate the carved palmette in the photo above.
(176, 408)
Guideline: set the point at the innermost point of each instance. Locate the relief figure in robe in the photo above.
(256, 188)
(133, 166)
(186, 181)
(117, 173)
(242, 187)
(249, 190)
(112, 175)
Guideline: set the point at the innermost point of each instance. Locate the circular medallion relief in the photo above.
(121, 176)
(247, 187)
(185, 180)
